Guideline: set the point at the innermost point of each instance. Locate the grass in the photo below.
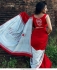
(9, 64)
(51, 51)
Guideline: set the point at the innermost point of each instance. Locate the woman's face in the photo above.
(45, 9)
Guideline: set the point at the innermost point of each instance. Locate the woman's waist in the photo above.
(38, 27)
(41, 27)
(39, 31)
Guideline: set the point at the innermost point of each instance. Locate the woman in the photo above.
(42, 28)
(16, 38)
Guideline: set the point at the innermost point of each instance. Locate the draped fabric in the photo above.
(15, 35)
(15, 38)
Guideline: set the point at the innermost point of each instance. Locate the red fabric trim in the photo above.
(46, 62)
(24, 16)
(15, 53)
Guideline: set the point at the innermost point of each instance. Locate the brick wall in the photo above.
(10, 8)
(54, 3)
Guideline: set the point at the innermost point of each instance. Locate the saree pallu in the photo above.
(15, 35)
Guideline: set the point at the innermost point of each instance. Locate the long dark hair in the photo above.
(39, 7)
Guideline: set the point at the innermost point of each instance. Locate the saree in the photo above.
(15, 38)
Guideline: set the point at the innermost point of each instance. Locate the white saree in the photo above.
(15, 38)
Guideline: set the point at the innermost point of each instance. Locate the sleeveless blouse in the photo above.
(39, 36)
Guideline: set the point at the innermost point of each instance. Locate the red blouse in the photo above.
(39, 36)
(40, 22)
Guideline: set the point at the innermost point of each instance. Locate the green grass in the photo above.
(8, 64)
(51, 51)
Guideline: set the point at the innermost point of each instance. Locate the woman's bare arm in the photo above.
(49, 29)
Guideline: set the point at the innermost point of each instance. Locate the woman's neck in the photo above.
(39, 15)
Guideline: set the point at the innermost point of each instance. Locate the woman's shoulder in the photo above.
(46, 15)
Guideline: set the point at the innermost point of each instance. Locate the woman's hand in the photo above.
(48, 30)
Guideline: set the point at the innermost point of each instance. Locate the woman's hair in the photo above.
(40, 6)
